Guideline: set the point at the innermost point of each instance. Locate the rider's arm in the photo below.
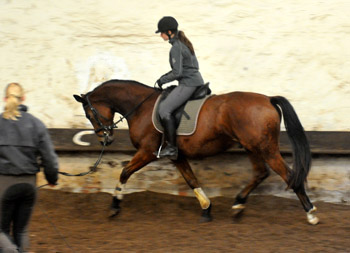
(176, 65)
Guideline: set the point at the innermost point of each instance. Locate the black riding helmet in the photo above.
(167, 23)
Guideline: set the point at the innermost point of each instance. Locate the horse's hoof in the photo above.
(206, 216)
(311, 217)
(237, 210)
(114, 208)
(205, 219)
(113, 212)
(313, 220)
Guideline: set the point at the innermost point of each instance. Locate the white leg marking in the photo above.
(238, 207)
(118, 192)
(202, 198)
(312, 218)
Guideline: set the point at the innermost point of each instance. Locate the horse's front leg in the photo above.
(184, 167)
(140, 159)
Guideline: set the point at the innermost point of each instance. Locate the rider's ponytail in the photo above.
(14, 97)
(186, 41)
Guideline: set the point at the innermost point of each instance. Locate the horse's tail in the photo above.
(301, 148)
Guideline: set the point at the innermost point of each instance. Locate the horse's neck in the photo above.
(126, 98)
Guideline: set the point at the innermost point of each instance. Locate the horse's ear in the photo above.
(79, 99)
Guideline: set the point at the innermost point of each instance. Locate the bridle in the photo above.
(97, 118)
(107, 128)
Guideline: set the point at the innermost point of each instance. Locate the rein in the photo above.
(93, 168)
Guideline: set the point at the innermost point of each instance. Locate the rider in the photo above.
(184, 65)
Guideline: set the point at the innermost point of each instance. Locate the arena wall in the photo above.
(221, 175)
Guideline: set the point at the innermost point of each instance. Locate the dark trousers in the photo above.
(17, 204)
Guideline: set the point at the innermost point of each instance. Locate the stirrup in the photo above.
(157, 153)
(170, 152)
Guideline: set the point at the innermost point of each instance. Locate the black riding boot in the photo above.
(170, 150)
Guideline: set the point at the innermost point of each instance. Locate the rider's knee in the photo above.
(164, 114)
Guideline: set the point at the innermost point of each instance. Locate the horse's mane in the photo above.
(121, 81)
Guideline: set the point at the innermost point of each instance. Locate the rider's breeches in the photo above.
(175, 99)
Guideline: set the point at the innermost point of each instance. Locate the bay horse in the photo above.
(250, 119)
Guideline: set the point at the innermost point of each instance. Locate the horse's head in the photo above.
(100, 116)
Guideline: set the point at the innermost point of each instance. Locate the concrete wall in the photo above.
(298, 49)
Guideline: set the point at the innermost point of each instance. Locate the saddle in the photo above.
(197, 99)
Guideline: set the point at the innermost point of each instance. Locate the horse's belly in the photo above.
(208, 148)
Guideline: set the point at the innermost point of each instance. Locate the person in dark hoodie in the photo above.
(184, 69)
(25, 146)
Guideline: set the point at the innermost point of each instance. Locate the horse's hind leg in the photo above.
(277, 164)
(184, 167)
(260, 172)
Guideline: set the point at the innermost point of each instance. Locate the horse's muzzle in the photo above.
(106, 140)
